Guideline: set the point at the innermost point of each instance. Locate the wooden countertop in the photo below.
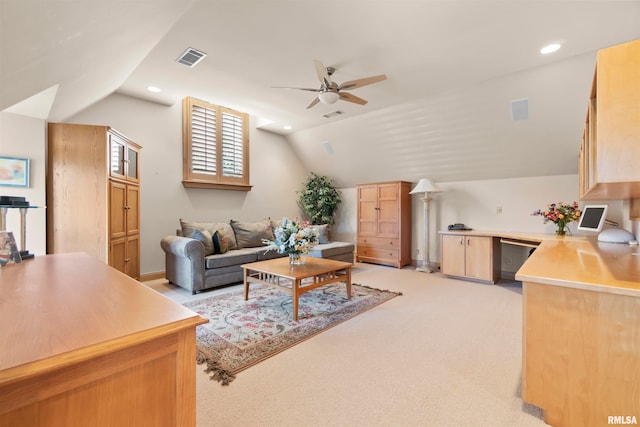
(534, 237)
(56, 310)
(585, 264)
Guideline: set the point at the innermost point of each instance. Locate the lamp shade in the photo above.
(329, 97)
(425, 186)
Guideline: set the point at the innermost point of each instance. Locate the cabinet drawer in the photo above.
(379, 242)
(369, 252)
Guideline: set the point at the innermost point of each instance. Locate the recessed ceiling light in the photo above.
(287, 127)
(154, 89)
(550, 48)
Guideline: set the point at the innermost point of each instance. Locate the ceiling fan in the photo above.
(330, 92)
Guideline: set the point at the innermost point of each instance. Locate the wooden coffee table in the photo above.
(314, 273)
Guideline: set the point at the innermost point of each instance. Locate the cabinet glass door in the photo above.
(116, 161)
(132, 163)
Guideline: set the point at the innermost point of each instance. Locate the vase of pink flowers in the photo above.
(561, 214)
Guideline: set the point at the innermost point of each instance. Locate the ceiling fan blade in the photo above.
(296, 88)
(346, 96)
(321, 71)
(314, 102)
(353, 84)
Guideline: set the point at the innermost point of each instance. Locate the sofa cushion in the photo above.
(251, 234)
(205, 237)
(323, 232)
(188, 227)
(220, 242)
(235, 257)
(329, 250)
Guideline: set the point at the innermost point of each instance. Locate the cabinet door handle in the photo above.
(461, 241)
(127, 259)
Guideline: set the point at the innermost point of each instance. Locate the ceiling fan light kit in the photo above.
(330, 92)
(329, 97)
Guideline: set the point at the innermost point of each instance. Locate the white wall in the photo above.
(275, 171)
(25, 137)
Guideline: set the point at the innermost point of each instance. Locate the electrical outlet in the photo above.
(499, 210)
(508, 260)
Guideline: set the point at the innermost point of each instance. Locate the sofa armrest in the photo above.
(184, 262)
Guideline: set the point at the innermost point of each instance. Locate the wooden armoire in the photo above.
(384, 223)
(93, 194)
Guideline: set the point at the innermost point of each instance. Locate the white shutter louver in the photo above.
(203, 140)
(232, 145)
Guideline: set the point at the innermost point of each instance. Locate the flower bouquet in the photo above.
(293, 238)
(560, 214)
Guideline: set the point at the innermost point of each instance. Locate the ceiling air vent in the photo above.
(191, 57)
(335, 113)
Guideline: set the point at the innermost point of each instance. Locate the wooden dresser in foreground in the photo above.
(82, 344)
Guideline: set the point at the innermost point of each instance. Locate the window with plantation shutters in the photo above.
(215, 145)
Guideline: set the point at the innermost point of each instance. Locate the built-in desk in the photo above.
(581, 332)
(476, 254)
(82, 344)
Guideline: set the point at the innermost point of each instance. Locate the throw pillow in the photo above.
(188, 227)
(251, 234)
(205, 237)
(323, 232)
(220, 242)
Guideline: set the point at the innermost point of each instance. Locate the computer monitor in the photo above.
(593, 218)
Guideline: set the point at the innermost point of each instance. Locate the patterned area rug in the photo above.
(242, 333)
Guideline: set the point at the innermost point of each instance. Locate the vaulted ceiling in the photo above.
(453, 68)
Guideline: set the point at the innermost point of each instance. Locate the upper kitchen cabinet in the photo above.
(610, 150)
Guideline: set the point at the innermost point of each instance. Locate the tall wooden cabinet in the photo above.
(610, 149)
(384, 223)
(93, 195)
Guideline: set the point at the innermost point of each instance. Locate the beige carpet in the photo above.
(447, 353)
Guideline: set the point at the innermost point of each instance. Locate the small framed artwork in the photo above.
(9, 253)
(14, 172)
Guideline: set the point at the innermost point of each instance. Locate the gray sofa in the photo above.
(195, 264)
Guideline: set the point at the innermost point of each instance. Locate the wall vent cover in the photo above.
(335, 113)
(327, 147)
(520, 109)
(191, 57)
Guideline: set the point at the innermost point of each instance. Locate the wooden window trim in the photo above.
(214, 179)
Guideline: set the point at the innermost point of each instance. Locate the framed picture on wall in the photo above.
(14, 172)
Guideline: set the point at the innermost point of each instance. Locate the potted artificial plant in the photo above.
(319, 199)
